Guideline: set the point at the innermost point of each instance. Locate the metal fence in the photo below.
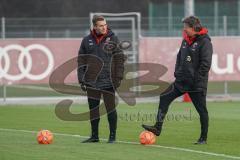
(78, 27)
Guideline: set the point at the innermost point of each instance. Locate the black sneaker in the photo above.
(201, 141)
(91, 140)
(112, 138)
(153, 129)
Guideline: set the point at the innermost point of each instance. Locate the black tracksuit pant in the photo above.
(94, 97)
(198, 99)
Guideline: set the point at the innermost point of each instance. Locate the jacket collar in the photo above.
(190, 40)
(100, 37)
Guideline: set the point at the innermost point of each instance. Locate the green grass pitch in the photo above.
(19, 126)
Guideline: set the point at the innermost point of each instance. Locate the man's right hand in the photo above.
(83, 87)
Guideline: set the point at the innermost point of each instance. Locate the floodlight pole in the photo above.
(188, 8)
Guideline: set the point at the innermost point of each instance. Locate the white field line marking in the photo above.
(135, 143)
(47, 88)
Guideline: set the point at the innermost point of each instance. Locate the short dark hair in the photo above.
(97, 18)
(193, 22)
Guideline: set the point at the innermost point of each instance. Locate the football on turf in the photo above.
(45, 137)
(147, 138)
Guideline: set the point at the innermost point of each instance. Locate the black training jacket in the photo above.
(193, 64)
